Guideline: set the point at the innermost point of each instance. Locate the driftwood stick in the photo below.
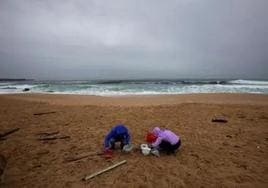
(54, 138)
(9, 132)
(42, 113)
(219, 120)
(104, 170)
(48, 134)
(79, 157)
(3, 163)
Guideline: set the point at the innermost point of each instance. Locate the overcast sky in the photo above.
(126, 39)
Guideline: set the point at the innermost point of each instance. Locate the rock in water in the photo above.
(26, 89)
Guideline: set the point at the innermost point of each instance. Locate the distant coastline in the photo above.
(15, 79)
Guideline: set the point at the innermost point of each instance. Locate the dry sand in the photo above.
(233, 154)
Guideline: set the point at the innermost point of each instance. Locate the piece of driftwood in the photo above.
(9, 132)
(3, 163)
(104, 170)
(42, 113)
(48, 134)
(42, 152)
(219, 120)
(54, 138)
(82, 156)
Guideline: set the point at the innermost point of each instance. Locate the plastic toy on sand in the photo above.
(145, 149)
(127, 148)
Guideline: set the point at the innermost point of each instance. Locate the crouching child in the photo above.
(118, 133)
(164, 140)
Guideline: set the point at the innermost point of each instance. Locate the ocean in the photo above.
(135, 87)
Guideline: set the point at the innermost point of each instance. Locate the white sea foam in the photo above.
(249, 82)
(6, 88)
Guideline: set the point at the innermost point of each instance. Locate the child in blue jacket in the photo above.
(119, 133)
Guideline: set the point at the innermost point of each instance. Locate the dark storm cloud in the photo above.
(133, 39)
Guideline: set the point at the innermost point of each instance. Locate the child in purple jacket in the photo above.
(166, 140)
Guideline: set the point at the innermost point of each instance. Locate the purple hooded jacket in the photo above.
(165, 135)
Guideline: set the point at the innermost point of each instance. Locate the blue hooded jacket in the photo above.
(118, 133)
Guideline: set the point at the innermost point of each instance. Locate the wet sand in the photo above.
(232, 154)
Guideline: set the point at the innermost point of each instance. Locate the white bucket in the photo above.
(145, 149)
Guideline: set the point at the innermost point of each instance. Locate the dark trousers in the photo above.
(169, 148)
(113, 141)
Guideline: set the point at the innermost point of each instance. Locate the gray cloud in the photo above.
(133, 39)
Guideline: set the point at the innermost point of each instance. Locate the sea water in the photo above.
(136, 87)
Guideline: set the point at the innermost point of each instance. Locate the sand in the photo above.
(232, 154)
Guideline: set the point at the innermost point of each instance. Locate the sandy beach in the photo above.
(232, 154)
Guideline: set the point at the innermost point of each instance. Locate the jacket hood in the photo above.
(156, 131)
(121, 129)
